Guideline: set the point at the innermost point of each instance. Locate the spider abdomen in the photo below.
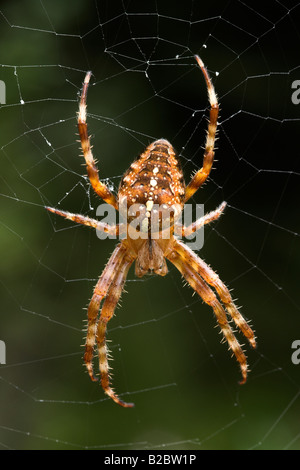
(154, 178)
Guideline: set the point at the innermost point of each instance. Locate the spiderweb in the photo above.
(168, 358)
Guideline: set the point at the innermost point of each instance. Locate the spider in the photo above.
(156, 176)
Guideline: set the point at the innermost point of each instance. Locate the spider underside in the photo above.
(155, 177)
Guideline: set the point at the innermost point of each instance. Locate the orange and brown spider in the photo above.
(155, 178)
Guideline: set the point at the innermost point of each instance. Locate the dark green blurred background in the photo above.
(167, 354)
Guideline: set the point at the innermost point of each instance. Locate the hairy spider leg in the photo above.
(183, 231)
(211, 278)
(99, 294)
(208, 296)
(100, 188)
(208, 158)
(112, 230)
(107, 312)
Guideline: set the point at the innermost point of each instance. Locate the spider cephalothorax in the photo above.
(151, 197)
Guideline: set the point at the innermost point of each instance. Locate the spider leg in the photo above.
(107, 312)
(201, 175)
(208, 296)
(100, 292)
(112, 230)
(100, 188)
(211, 278)
(182, 231)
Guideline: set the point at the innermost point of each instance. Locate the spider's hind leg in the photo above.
(100, 188)
(208, 158)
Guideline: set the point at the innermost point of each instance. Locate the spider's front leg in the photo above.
(99, 294)
(107, 312)
(208, 296)
(211, 278)
(109, 287)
